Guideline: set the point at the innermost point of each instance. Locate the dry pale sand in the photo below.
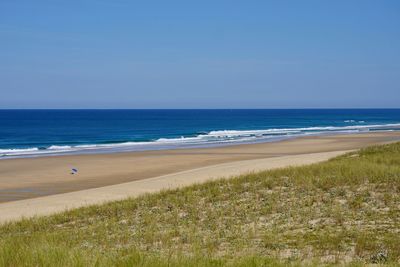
(116, 176)
(15, 210)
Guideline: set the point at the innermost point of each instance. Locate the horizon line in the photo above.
(304, 108)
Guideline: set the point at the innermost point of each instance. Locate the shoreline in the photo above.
(245, 137)
(28, 178)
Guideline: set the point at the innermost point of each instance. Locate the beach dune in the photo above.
(42, 186)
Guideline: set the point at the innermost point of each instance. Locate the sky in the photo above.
(199, 54)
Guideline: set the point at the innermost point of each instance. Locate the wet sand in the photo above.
(36, 177)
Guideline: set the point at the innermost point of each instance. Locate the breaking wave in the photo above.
(212, 138)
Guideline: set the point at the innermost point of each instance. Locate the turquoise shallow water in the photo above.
(45, 132)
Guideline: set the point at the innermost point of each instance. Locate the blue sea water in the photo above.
(46, 132)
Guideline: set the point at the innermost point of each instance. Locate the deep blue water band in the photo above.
(35, 132)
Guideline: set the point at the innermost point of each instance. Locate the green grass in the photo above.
(345, 211)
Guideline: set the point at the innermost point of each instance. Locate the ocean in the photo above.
(27, 133)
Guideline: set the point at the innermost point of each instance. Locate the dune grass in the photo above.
(345, 211)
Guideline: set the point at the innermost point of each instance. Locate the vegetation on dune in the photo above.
(344, 211)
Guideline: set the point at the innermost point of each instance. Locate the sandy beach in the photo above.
(35, 177)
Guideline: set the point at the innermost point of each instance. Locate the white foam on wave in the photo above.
(18, 150)
(353, 121)
(54, 147)
(107, 145)
(233, 133)
(210, 138)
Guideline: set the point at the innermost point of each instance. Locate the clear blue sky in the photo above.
(199, 54)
